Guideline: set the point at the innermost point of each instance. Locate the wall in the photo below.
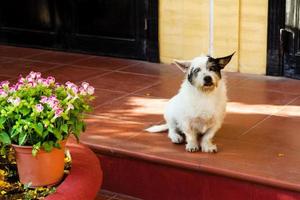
(239, 25)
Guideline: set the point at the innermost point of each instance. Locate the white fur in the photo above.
(195, 110)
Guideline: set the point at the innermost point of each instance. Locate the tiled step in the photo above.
(149, 166)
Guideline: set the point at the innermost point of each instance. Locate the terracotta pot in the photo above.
(45, 169)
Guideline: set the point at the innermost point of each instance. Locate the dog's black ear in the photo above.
(183, 64)
(222, 62)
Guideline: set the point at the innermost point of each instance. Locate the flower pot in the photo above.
(45, 169)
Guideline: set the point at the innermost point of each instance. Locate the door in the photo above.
(111, 27)
(28, 22)
(122, 28)
(290, 39)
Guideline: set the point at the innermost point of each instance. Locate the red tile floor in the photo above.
(259, 140)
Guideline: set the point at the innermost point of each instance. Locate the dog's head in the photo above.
(204, 72)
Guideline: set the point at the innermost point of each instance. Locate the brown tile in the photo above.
(15, 67)
(59, 57)
(263, 99)
(246, 108)
(134, 108)
(234, 79)
(290, 110)
(280, 130)
(19, 52)
(108, 133)
(155, 69)
(107, 63)
(285, 135)
(235, 124)
(268, 83)
(166, 88)
(73, 73)
(104, 96)
(5, 60)
(123, 82)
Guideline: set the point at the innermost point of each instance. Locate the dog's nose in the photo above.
(207, 79)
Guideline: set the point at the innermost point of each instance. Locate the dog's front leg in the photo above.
(206, 143)
(191, 138)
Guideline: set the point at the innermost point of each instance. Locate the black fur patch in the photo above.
(193, 74)
(212, 65)
(190, 77)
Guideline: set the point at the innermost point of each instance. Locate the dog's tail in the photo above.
(157, 128)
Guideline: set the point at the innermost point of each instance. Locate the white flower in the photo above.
(70, 107)
(13, 101)
(90, 90)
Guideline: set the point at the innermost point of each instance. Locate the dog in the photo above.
(200, 105)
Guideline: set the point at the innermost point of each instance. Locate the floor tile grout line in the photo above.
(269, 116)
(32, 55)
(91, 67)
(268, 90)
(128, 94)
(104, 74)
(49, 62)
(81, 59)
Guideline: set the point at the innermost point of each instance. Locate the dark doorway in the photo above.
(284, 38)
(126, 28)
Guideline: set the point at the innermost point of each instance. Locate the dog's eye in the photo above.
(197, 70)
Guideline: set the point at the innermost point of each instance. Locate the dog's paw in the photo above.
(176, 138)
(209, 147)
(191, 147)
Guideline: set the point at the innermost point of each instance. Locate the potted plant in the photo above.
(37, 116)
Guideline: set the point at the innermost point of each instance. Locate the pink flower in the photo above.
(44, 99)
(39, 107)
(3, 93)
(29, 79)
(58, 113)
(21, 79)
(31, 84)
(72, 86)
(34, 75)
(51, 80)
(38, 75)
(4, 84)
(85, 85)
(82, 91)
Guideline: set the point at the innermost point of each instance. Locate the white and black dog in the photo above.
(200, 105)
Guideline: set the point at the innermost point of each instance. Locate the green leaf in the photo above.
(39, 128)
(57, 134)
(45, 134)
(2, 120)
(4, 138)
(64, 128)
(22, 137)
(25, 110)
(48, 146)
(36, 148)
